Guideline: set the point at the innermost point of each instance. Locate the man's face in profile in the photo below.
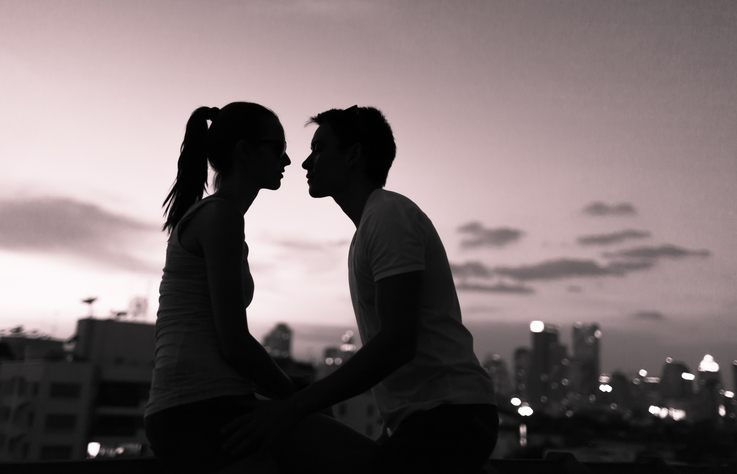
(327, 166)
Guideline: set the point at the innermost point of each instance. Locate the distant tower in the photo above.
(334, 357)
(734, 376)
(547, 364)
(89, 302)
(278, 343)
(522, 360)
(676, 381)
(708, 398)
(709, 371)
(586, 359)
(497, 369)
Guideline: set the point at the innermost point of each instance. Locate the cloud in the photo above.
(480, 236)
(612, 238)
(549, 270)
(649, 316)
(662, 251)
(471, 269)
(497, 288)
(602, 209)
(69, 227)
(562, 268)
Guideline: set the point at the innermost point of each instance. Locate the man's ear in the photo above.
(355, 158)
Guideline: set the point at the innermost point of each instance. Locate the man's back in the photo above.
(395, 237)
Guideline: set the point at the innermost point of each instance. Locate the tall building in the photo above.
(278, 342)
(90, 401)
(708, 371)
(522, 361)
(676, 381)
(497, 368)
(586, 360)
(359, 412)
(547, 365)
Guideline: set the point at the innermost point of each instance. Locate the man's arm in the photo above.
(397, 301)
(395, 345)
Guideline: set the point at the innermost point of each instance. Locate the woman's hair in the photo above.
(236, 121)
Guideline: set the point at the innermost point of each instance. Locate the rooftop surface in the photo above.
(554, 463)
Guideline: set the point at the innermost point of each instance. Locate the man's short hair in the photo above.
(369, 127)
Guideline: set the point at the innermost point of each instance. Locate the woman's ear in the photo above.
(241, 147)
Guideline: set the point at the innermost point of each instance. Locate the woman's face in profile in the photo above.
(269, 157)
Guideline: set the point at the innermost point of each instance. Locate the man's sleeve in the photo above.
(395, 241)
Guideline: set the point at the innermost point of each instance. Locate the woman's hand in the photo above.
(262, 429)
(301, 381)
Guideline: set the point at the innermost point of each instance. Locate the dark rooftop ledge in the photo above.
(554, 463)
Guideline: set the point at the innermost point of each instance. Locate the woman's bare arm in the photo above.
(218, 228)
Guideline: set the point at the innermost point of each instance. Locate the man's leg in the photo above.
(322, 444)
(446, 439)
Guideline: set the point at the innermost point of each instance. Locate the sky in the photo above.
(578, 158)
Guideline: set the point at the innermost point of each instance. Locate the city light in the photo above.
(525, 410)
(687, 376)
(663, 412)
(516, 401)
(605, 388)
(729, 394)
(523, 435)
(643, 373)
(93, 449)
(708, 364)
(537, 326)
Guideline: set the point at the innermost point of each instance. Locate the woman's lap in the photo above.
(187, 438)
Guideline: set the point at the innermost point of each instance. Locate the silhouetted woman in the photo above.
(208, 365)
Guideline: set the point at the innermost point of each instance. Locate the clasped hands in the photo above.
(261, 429)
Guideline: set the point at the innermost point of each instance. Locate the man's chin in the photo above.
(316, 193)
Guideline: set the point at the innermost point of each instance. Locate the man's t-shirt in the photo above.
(395, 237)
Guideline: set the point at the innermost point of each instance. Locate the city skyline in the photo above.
(578, 160)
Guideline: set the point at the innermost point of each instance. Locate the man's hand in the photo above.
(262, 429)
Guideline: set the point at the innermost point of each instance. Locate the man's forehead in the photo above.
(324, 133)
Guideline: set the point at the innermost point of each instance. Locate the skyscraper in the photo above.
(676, 381)
(497, 368)
(547, 364)
(709, 371)
(278, 343)
(522, 358)
(586, 360)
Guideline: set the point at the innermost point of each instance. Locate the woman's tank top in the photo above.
(188, 363)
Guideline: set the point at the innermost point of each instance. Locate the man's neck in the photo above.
(353, 200)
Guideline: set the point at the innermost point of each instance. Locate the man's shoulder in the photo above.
(383, 200)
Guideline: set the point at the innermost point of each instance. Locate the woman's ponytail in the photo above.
(191, 178)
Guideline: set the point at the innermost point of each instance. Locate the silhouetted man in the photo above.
(436, 401)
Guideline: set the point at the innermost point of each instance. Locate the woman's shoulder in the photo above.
(211, 216)
(216, 209)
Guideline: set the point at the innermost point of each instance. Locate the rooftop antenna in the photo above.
(89, 302)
